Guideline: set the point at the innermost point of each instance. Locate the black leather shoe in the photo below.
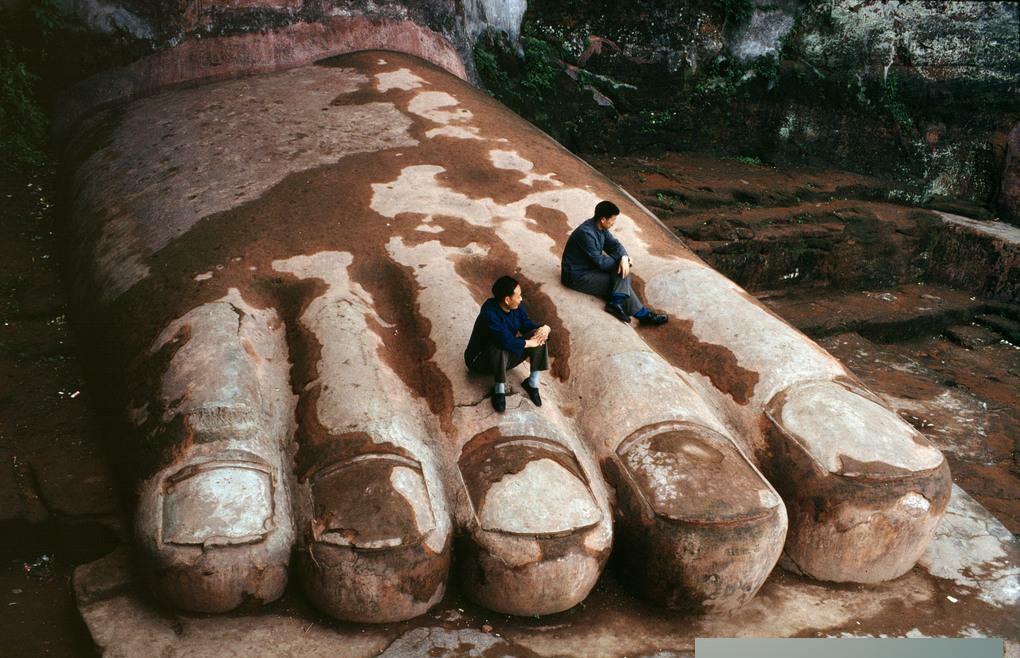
(532, 392)
(617, 312)
(654, 319)
(499, 401)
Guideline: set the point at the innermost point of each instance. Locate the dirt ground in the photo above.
(826, 249)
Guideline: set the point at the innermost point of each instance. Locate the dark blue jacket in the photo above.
(590, 249)
(498, 327)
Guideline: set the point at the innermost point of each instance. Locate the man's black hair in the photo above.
(606, 209)
(504, 287)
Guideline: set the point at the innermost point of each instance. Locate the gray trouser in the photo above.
(606, 284)
(494, 361)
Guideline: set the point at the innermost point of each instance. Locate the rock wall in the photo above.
(922, 92)
(167, 24)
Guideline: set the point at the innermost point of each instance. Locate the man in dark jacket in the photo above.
(502, 337)
(596, 263)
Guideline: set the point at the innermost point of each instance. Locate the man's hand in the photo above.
(540, 336)
(624, 267)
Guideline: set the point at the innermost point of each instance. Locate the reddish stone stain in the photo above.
(489, 457)
(552, 223)
(407, 344)
(359, 503)
(676, 342)
(874, 469)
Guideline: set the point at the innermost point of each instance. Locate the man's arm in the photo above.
(614, 247)
(594, 253)
(502, 335)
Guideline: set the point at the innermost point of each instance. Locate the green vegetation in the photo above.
(42, 53)
(22, 122)
(733, 12)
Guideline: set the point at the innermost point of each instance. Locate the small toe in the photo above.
(700, 528)
(541, 539)
(375, 552)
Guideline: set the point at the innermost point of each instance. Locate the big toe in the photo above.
(863, 488)
(216, 532)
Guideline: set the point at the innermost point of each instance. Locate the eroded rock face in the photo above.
(279, 275)
(1009, 192)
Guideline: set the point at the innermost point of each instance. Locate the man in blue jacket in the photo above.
(503, 336)
(596, 263)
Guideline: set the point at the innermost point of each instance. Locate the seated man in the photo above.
(502, 336)
(596, 263)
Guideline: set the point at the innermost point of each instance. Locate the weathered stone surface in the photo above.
(11, 504)
(86, 491)
(466, 642)
(972, 336)
(105, 578)
(971, 559)
(307, 304)
(899, 312)
(971, 547)
(1008, 202)
(263, 51)
(980, 256)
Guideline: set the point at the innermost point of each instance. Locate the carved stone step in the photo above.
(972, 336)
(1010, 329)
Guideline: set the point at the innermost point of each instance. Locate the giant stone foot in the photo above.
(279, 275)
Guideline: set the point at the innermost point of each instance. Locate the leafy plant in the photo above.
(22, 122)
(735, 12)
(43, 51)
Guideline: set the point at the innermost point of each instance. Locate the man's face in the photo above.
(514, 300)
(606, 223)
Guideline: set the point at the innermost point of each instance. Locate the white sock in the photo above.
(500, 388)
(534, 378)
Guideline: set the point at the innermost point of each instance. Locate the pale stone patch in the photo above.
(768, 499)
(456, 132)
(832, 422)
(444, 291)
(399, 79)
(544, 498)
(973, 549)
(430, 105)
(428, 228)
(408, 483)
(999, 230)
(189, 386)
(512, 160)
(220, 504)
(204, 276)
(439, 641)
